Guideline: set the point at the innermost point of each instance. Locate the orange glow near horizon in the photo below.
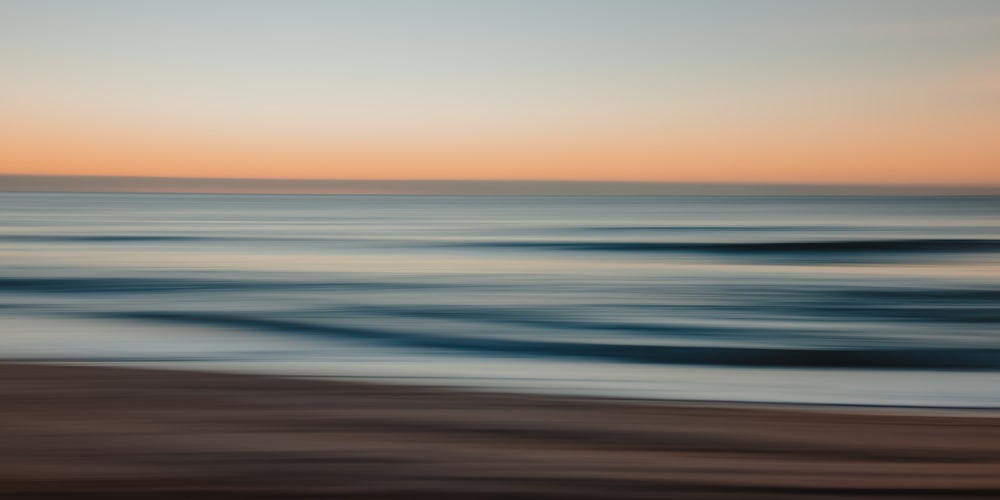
(802, 156)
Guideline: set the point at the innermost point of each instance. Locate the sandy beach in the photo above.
(109, 433)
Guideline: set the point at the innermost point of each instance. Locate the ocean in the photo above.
(887, 301)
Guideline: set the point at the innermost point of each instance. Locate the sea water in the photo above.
(840, 300)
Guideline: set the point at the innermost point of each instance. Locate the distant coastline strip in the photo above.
(458, 187)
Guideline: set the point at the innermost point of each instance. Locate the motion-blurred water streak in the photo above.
(854, 300)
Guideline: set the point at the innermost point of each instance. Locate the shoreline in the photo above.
(459, 388)
(86, 432)
(859, 408)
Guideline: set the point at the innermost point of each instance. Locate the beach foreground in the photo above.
(110, 433)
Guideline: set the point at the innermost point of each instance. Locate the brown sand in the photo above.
(111, 434)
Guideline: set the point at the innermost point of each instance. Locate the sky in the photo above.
(695, 91)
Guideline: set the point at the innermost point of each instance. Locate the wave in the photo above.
(761, 248)
(777, 247)
(713, 228)
(933, 296)
(916, 359)
(527, 318)
(157, 285)
(949, 305)
(70, 238)
(126, 238)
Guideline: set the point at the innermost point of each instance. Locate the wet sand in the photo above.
(110, 434)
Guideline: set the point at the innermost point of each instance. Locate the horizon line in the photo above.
(55, 183)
